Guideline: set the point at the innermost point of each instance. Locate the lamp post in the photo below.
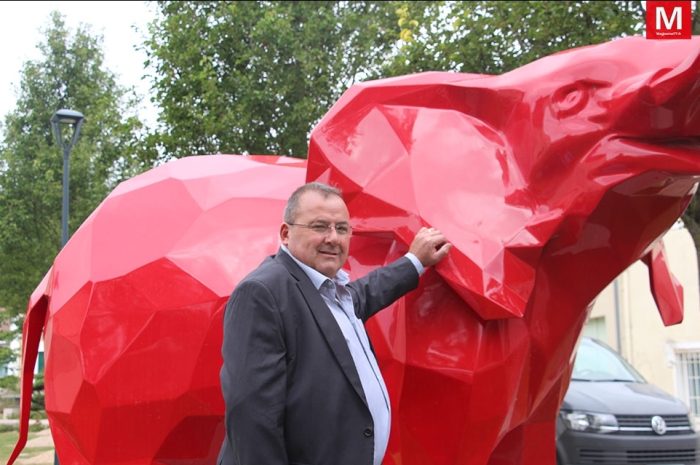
(75, 119)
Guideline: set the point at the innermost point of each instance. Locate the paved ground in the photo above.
(42, 439)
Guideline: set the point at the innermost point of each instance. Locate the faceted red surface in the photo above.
(135, 301)
(549, 181)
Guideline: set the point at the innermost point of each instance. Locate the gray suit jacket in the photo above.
(293, 395)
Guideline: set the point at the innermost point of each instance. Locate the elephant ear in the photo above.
(409, 156)
(32, 330)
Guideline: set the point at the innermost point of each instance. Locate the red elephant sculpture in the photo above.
(549, 181)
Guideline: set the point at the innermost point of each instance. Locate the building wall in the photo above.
(643, 340)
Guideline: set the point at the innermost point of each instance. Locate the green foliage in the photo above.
(6, 355)
(494, 37)
(34, 427)
(37, 426)
(254, 77)
(38, 406)
(6, 428)
(69, 74)
(10, 382)
(9, 331)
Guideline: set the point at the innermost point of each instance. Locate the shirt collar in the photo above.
(317, 278)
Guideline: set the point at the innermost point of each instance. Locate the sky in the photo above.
(122, 25)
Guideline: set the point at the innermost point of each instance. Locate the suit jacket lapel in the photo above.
(325, 321)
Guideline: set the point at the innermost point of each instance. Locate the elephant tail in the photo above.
(33, 327)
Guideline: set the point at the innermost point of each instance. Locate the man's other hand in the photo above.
(429, 246)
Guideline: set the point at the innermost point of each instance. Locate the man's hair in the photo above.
(290, 211)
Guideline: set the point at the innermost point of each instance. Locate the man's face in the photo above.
(325, 252)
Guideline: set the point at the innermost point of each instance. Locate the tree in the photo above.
(494, 37)
(38, 405)
(8, 332)
(69, 74)
(254, 77)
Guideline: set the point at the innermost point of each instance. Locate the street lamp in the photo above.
(75, 119)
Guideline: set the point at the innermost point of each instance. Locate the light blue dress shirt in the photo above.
(339, 301)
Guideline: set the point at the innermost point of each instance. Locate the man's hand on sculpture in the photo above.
(429, 246)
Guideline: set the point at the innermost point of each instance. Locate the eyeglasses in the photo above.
(342, 229)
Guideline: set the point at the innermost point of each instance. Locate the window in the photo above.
(595, 327)
(597, 362)
(688, 371)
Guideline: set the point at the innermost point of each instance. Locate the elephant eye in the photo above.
(571, 99)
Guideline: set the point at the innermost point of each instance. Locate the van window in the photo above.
(596, 362)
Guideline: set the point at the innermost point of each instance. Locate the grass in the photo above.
(7, 444)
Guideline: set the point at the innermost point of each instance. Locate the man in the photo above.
(299, 378)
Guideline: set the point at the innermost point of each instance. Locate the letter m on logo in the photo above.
(676, 17)
(668, 20)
